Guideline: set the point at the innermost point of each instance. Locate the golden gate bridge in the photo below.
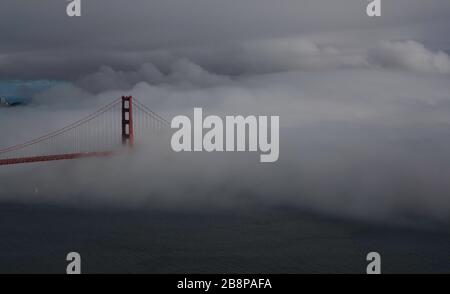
(120, 123)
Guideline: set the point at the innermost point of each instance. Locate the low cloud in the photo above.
(211, 66)
(411, 56)
(293, 54)
(361, 141)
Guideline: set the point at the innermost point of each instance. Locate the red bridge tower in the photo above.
(127, 121)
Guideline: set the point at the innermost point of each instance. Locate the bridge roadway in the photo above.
(11, 161)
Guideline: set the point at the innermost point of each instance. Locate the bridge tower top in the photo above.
(127, 121)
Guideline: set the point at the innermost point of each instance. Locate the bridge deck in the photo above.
(11, 161)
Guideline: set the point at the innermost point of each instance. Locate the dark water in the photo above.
(36, 239)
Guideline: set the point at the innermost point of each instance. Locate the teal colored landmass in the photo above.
(18, 91)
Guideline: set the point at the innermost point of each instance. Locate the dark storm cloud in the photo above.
(37, 39)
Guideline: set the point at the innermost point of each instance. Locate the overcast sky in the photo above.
(38, 40)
